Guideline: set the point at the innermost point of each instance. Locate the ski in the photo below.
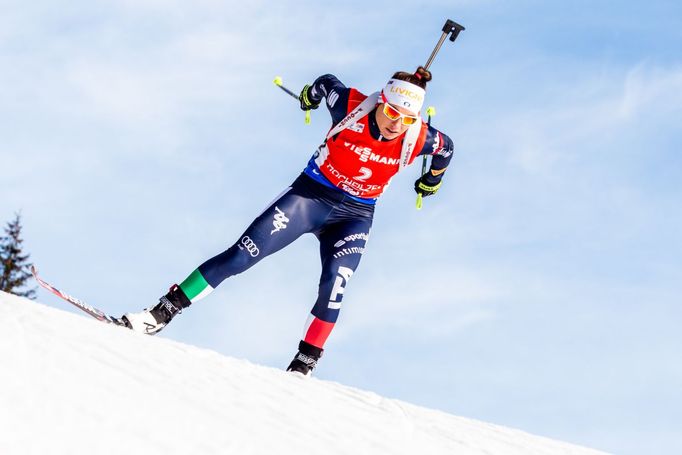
(92, 311)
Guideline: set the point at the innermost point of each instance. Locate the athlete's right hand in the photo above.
(426, 186)
(306, 101)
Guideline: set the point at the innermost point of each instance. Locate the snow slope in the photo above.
(72, 385)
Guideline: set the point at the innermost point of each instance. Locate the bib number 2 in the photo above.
(365, 173)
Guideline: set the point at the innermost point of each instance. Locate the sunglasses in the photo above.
(394, 114)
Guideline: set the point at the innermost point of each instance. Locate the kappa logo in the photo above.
(250, 246)
(343, 275)
(280, 221)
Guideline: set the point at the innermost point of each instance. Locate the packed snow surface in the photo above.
(72, 385)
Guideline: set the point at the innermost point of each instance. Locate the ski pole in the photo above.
(278, 83)
(431, 112)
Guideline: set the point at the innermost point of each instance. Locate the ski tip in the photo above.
(278, 80)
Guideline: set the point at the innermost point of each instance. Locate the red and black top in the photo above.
(358, 160)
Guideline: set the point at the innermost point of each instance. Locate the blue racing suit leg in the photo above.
(342, 244)
(291, 215)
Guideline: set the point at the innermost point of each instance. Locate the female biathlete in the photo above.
(371, 139)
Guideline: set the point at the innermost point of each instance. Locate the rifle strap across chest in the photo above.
(361, 111)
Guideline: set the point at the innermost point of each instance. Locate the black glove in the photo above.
(307, 103)
(427, 184)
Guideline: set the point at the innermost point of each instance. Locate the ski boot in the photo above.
(151, 321)
(306, 360)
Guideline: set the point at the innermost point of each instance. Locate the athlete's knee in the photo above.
(236, 259)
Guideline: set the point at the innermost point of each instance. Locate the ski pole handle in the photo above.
(431, 112)
(278, 83)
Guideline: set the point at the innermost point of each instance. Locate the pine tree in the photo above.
(14, 265)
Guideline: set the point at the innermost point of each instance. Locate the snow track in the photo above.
(72, 385)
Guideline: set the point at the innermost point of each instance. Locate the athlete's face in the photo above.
(391, 129)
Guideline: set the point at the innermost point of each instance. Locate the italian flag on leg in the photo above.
(196, 287)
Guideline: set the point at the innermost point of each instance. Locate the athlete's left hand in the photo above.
(427, 186)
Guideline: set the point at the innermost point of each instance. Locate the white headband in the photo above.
(404, 94)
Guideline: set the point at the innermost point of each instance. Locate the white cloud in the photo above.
(541, 139)
(564, 121)
(651, 89)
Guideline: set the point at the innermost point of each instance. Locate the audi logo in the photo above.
(250, 246)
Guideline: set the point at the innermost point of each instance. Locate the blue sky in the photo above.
(539, 289)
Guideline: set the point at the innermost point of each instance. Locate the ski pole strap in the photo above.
(429, 188)
(426, 189)
(304, 97)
